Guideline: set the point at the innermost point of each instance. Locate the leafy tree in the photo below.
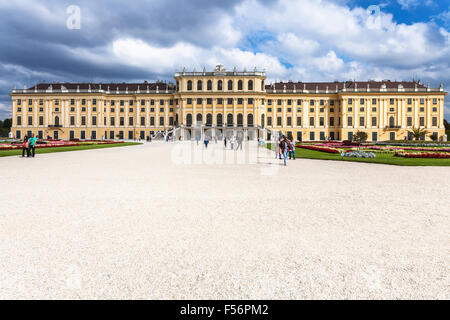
(433, 137)
(418, 133)
(360, 137)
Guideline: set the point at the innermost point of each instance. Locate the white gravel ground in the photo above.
(131, 223)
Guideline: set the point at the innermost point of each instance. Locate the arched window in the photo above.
(209, 120)
(219, 120)
(250, 84)
(219, 85)
(209, 85)
(199, 118)
(230, 120)
(250, 120)
(189, 120)
(199, 85)
(189, 85)
(240, 120)
(391, 121)
(230, 85)
(56, 121)
(263, 118)
(240, 85)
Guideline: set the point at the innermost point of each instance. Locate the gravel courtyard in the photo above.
(139, 223)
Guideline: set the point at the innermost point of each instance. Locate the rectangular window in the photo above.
(311, 136)
(311, 102)
(350, 136)
(142, 121)
(30, 102)
(349, 121)
(331, 109)
(299, 102)
(122, 121)
(322, 135)
(321, 121)
(56, 102)
(409, 121)
(269, 109)
(374, 109)
(269, 121)
(83, 102)
(331, 102)
(422, 101)
(19, 102)
(250, 101)
(171, 102)
(41, 102)
(189, 101)
(322, 102)
(391, 101)
(374, 121)
(170, 121)
(332, 121)
(361, 101)
(130, 110)
(422, 121)
(289, 109)
(409, 109)
(361, 121)
(30, 120)
(278, 121)
(122, 103)
(299, 121)
(409, 101)
(94, 102)
(311, 121)
(113, 103)
(72, 120)
(161, 102)
(374, 101)
(152, 121)
(269, 102)
(311, 109)
(350, 101)
(289, 102)
(434, 109)
(199, 100)
(239, 101)
(422, 109)
(230, 101)
(131, 102)
(361, 109)
(321, 110)
(278, 109)
(434, 121)
(279, 102)
(374, 136)
(289, 121)
(209, 101)
(83, 120)
(142, 109)
(434, 101)
(161, 121)
(122, 110)
(219, 101)
(71, 134)
(112, 121)
(41, 120)
(152, 102)
(30, 109)
(142, 102)
(94, 120)
(350, 109)
(130, 135)
(161, 109)
(83, 109)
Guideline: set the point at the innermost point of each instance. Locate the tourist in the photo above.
(25, 147)
(239, 143)
(225, 142)
(32, 145)
(284, 149)
(197, 138)
(232, 142)
(292, 149)
(206, 142)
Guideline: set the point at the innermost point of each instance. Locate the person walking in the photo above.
(25, 147)
(239, 143)
(292, 149)
(284, 149)
(32, 145)
(232, 143)
(197, 138)
(225, 142)
(206, 142)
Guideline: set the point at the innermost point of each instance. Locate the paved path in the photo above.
(133, 222)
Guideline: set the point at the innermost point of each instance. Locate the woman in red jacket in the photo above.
(25, 147)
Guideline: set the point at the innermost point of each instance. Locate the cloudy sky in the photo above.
(300, 40)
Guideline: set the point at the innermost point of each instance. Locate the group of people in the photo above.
(29, 146)
(238, 140)
(285, 148)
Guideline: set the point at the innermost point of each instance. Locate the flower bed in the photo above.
(55, 144)
(359, 154)
(424, 155)
(322, 149)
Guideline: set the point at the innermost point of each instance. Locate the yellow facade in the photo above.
(234, 100)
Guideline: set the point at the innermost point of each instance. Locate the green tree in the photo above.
(433, 137)
(360, 137)
(418, 133)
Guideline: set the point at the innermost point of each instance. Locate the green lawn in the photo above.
(382, 158)
(7, 153)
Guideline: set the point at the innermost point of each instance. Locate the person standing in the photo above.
(25, 147)
(225, 142)
(292, 149)
(239, 143)
(197, 138)
(232, 143)
(32, 145)
(284, 149)
(206, 141)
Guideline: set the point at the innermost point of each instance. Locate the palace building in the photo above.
(224, 102)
